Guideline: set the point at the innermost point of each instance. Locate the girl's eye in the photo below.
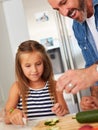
(27, 66)
(39, 63)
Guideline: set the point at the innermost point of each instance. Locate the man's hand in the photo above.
(74, 80)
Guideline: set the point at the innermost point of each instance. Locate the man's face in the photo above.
(74, 9)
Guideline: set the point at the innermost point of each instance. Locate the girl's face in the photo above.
(74, 9)
(32, 65)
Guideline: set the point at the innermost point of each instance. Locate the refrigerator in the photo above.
(55, 32)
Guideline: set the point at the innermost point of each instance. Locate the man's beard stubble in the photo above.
(83, 10)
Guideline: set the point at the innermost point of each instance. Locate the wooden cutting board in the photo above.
(65, 123)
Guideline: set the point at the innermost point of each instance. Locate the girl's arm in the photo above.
(62, 102)
(60, 108)
(11, 103)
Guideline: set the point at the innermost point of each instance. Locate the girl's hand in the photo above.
(16, 117)
(58, 110)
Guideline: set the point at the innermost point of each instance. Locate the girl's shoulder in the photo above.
(15, 88)
(15, 85)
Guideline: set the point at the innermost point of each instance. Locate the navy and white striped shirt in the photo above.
(39, 103)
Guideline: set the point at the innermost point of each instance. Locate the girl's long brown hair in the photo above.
(23, 82)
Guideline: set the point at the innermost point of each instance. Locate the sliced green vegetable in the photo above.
(47, 122)
(51, 122)
(56, 120)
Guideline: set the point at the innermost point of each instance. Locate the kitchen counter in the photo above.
(65, 123)
(28, 126)
(3, 126)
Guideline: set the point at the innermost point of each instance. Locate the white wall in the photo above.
(40, 30)
(13, 30)
(16, 22)
(6, 58)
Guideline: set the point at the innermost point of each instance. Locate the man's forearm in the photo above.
(93, 70)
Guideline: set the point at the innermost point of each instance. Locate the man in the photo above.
(85, 26)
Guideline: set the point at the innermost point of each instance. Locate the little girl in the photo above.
(34, 92)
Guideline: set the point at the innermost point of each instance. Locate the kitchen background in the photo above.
(33, 19)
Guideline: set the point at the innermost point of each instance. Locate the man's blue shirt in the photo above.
(85, 38)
